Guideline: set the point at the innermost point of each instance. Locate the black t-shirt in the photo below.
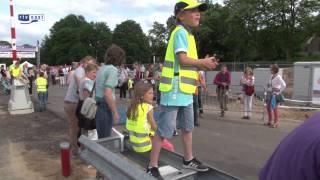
(3, 73)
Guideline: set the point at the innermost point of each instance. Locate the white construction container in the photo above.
(306, 85)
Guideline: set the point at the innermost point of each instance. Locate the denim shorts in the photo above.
(171, 117)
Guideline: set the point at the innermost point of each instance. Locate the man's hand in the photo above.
(116, 118)
(209, 63)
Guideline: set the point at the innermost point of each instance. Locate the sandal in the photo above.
(275, 125)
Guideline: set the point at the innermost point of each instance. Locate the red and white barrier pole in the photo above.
(65, 159)
(13, 33)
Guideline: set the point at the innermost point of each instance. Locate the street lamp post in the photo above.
(38, 54)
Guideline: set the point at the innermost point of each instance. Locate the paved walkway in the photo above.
(239, 147)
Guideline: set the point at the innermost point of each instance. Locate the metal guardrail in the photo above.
(109, 163)
(106, 156)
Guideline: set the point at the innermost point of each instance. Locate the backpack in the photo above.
(89, 106)
(248, 90)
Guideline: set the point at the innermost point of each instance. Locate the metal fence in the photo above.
(234, 101)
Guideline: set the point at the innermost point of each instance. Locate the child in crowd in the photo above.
(41, 83)
(177, 85)
(140, 122)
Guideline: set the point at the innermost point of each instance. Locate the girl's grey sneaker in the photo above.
(195, 164)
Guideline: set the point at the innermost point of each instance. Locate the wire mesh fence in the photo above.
(234, 101)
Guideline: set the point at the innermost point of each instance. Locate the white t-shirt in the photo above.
(278, 83)
(85, 84)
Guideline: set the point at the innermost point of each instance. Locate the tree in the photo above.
(286, 17)
(171, 24)
(6, 43)
(72, 38)
(67, 41)
(129, 36)
(246, 30)
(158, 36)
(100, 39)
(213, 32)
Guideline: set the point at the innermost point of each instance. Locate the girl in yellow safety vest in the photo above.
(140, 121)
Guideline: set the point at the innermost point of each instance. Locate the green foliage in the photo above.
(100, 39)
(4, 43)
(158, 36)
(240, 30)
(129, 36)
(249, 30)
(72, 38)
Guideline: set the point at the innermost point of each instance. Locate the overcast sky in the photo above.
(113, 12)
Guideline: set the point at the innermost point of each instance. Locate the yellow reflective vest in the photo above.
(139, 129)
(41, 84)
(16, 72)
(187, 74)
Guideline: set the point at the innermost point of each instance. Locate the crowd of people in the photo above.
(174, 86)
(89, 79)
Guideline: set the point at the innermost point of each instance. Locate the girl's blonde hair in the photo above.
(90, 67)
(140, 89)
(248, 71)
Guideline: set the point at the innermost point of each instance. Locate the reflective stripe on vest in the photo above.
(138, 135)
(41, 84)
(139, 131)
(187, 74)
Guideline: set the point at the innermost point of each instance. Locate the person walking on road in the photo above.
(177, 85)
(223, 81)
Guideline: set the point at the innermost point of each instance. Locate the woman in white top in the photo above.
(247, 81)
(276, 86)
